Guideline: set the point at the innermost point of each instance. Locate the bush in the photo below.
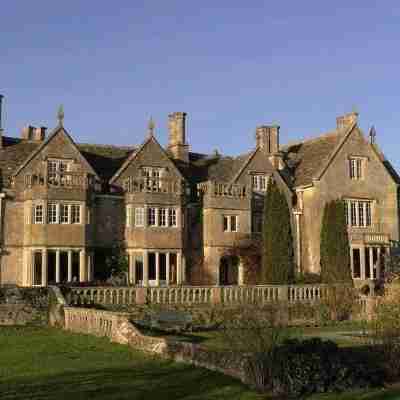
(299, 368)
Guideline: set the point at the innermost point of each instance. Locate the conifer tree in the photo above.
(278, 266)
(334, 246)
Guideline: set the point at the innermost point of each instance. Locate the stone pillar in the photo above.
(362, 262)
(44, 267)
(179, 268)
(58, 266)
(371, 262)
(167, 267)
(82, 266)
(69, 265)
(157, 269)
(145, 268)
(183, 267)
(241, 272)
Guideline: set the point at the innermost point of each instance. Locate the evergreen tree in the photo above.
(277, 260)
(335, 247)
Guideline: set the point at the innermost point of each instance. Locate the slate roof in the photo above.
(104, 159)
(13, 154)
(303, 159)
(306, 158)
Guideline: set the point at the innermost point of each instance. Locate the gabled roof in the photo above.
(43, 144)
(134, 154)
(305, 159)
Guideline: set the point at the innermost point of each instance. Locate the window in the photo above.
(64, 213)
(356, 168)
(56, 170)
(152, 175)
(38, 214)
(52, 213)
(358, 213)
(128, 215)
(172, 217)
(139, 216)
(259, 182)
(163, 217)
(230, 223)
(151, 217)
(75, 214)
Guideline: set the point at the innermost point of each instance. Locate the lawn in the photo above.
(39, 363)
(51, 364)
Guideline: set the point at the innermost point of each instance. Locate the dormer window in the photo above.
(259, 182)
(356, 167)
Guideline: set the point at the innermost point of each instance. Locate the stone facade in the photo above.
(179, 213)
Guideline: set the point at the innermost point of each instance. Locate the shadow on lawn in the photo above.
(143, 382)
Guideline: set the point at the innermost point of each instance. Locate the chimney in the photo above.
(267, 138)
(1, 120)
(39, 134)
(177, 145)
(32, 133)
(345, 121)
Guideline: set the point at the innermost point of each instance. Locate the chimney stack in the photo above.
(32, 133)
(346, 120)
(1, 120)
(267, 138)
(177, 145)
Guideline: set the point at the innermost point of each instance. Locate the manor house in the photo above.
(178, 213)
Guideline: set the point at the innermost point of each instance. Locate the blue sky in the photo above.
(231, 65)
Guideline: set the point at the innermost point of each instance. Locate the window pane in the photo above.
(225, 223)
(151, 218)
(163, 217)
(64, 208)
(38, 218)
(75, 214)
(172, 217)
(367, 263)
(52, 213)
(353, 214)
(368, 214)
(356, 263)
(359, 169)
(361, 213)
(139, 216)
(233, 223)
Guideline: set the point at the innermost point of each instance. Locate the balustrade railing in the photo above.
(218, 189)
(189, 295)
(154, 185)
(63, 180)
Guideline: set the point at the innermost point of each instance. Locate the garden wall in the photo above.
(118, 328)
(23, 306)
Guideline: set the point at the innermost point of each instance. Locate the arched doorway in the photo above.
(228, 270)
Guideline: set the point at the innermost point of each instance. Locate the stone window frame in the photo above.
(155, 219)
(227, 224)
(38, 214)
(55, 169)
(139, 216)
(259, 181)
(52, 213)
(359, 213)
(356, 165)
(76, 214)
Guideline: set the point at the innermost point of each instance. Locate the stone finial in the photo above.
(60, 115)
(372, 135)
(150, 127)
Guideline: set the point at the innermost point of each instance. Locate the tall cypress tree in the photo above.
(335, 247)
(278, 265)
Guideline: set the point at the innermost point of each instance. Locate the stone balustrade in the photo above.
(72, 180)
(189, 295)
(154, 185)
(94, 322)
(217, 189)
(103, 295)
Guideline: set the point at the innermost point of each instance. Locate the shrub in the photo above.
(334, 245)
(299, 368)
(277, 257)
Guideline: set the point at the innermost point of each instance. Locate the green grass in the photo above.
(39, 363)
(51, 364)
